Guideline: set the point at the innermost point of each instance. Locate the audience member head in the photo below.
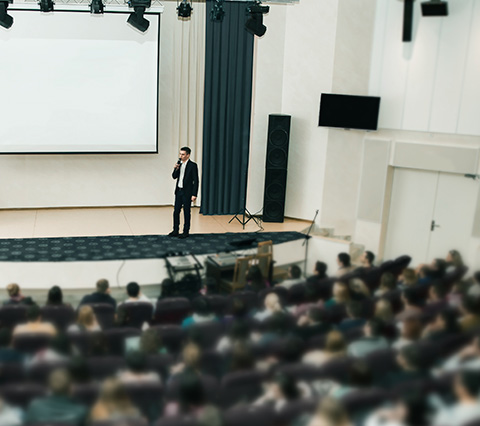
(255, 278)
(13, 290)
(330, 412)
(136, 361)
(191, 356)
(55, 296)
(320, 270)
(438, 291)
(374, 327)
(191, 393)
(341, 293)
(150, 342)
(447, 320)
(238, 308)
(167, 287)
(343, 260)
(278, 323)
(133, 290)
(388, 282)
(34, 314)
(411, 297)
(359, 374)
(335, 343)
(355, 309)
(367, 259)
(103, 286)
(272, 302)
(61, 345)
(412, 327)
(86, 317)
(437, 268)
(292, 349)
(5, 337)
(409, 277)
(201, 306)
(242, 357)
(114, 398)
(454, 258)
(383, 310)
(239, 331)
(59, 382)
(294, 272)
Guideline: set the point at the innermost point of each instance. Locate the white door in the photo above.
(430, 214)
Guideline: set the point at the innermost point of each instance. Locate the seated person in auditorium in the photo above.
(294, 277)
(314, 323)
(282, 390)
(371, 341)
(359, 377)
(435, 271)
(384, 312)
(358, 289)
(341, 295)
(241, 358)
(135, 295)
(34, 324)
(137, 370)
(330, 412)
(311, 301)
(275, 327)
(113, 404)
(445, 324)
(15, 296)
(467, 357)
(388, 283)
(335, 347)
(239, 332)
(59, 349)
(355, 317)
(272, 305)
(7, 353)
(255, 280)
(55, 297)
(466, 388)
(86, 321)
(453, 261)
(366, 260)
(410, 363)
(470, 309)
(411, 328)
(102, 295)
(190, 363)
(412, 303)
(58, 407)
(407, 278)
(319, 272)
(344, 264)
(151, 343)
(167, 289)
(10, 416)
(201, 312)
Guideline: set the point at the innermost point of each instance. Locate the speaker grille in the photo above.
(279, 137)
(277, 158)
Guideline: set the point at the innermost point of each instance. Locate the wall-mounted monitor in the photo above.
(349, 112)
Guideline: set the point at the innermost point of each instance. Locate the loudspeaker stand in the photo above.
(246, 217)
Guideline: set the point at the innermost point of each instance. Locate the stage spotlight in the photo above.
(6, 21)
(217, 13)
(96, 7)
(46, 5)
(435, 8)
(184, 9)
(254, 23)
(136, 19)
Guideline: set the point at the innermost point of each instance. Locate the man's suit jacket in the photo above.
(190, 179)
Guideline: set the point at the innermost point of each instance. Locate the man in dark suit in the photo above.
(102, 295)
(186, 189)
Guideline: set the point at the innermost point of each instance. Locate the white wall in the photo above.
(294, 65)
(430, 84)
(137, 179)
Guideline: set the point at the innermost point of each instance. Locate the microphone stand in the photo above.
(305, 243)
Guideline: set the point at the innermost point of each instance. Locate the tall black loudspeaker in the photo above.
(276, 167)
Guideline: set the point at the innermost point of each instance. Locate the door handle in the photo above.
(433, 226)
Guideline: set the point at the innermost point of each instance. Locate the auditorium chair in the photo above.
(12, 372)
(59, 315)
(105, 314)
(87, 343)
(177, 421)
(126, 422)
(218, 303)
(210, 386)
(289, 412)
(212, 363)
(105, 366)
(207, 334)
(172, 310)
(160, 363)
(240, 387)
(362, 402)
(321, 289)
(173, 337)
(138, 313)
(147, 397)
(249, 298)
(336, 313)
(336, 369)
(296, 294)
(86, 393)
(12, 315)
(20, 395)
(381, 362)
(249, 415)
(239, 281)
(39, 372)
(31, 342)
(299, 371)
(115, 338)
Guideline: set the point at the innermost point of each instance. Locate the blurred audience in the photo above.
(15, 296)
(86, 321)
(101, 295)
(34, 324)
(335, 347)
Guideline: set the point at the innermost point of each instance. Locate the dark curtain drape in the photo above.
(227, 110)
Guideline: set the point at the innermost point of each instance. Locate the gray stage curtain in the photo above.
(227, 110)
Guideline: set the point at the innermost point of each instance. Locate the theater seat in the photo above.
(31, 342)
(61, 316)
(12, 315)
(248, 415)
(177, 421)
(172, 336)
(240, 387)
(105, 314)
(172, 310)
(20, 395)
(137, 313)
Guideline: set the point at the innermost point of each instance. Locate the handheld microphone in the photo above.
(179, 161)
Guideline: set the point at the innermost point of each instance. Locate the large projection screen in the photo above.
(72, 82)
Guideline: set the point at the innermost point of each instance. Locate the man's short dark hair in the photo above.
(321, 268)
(133, 289)
(186, 149)
(102, 285)
(295, 271)
(413, 296)
(370, 257)
(136, 361)
(33, 313)
(344, 258)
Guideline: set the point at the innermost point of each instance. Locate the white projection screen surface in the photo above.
(73, 82)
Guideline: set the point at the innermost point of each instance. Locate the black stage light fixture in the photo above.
(136, 19)
(46, 5)
(6, 21)
(217, 13)
(96, 7)
(435, 8)
(254, 22)
(184, 9)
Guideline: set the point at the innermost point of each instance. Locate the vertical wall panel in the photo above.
(376, 61)
(450, 67)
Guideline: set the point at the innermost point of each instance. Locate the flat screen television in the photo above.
(349, 112)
